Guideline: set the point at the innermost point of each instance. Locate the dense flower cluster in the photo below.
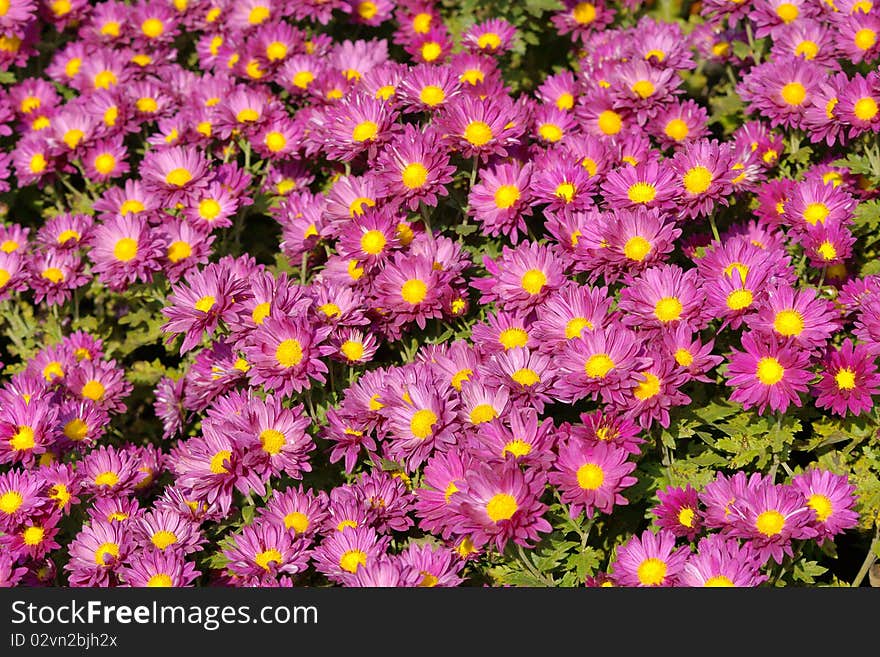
(586, 288)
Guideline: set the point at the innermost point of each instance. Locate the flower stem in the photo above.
(870, 558)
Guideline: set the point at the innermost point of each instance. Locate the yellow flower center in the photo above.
(769, 371)
(598, 366)
(827, 250)
(33, 535)
(289, 353)
(610, 122)
(267, 557)
(788, 323)
(107, 478)
(482, 413)
(160, 580)
(179, 250)
(565, 101)
(105, 163)
(566, 191)
(821, 505)
(352, 350)
(299, 522)
(303, 79)
(76, 430)
(217, 464)
(367, 9)
(697, 179)
(865, 108)
(652, 572)
(93, 390)
(414, 291)
(372, 242)
(131, 206)
(808, 49)
(787, 12)
(152, 27)
(865, 38)
(489, 40)
(105, 79)
(643, 88)
(23, 439)
(330, 310)
(794, 93)
(259, 14)
(845, 379)
(72, 137)
(668, 309)
(636, 248)
(205, 303)
(473, 76)
(10, 501)
(352, 559)
(642, 192)
(415, 175)
(178, 177)
(513, 337)
(739, 299)
(422, 423)
(506, 196)
(431, 50)
(770, 523)
(422, 23)
(272, 440)
(53, 274)
(478, 133)
(526, 377)
(365, 131)
(106, 550)
(432, 95)
(648, 388)
(163, 538)
(676, 129)
(518, 448)
(686, 516)
(501, 507)
(816, 213)
(584, 13)
(550, 132)
(125, 249)
(276, 51)
(260, 312)
(275, 141)
(533, 281)
(718, 581)
(590, 476)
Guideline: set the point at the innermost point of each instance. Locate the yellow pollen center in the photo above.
(431, 50)
(298, 522)
(827, 250)
(303, 79)
(636, 248)
(610, 122)
(258, 14)
(105, 163)
(422, 423)
(478, 133)
(275, 141)
(179, 250)
(648, 388)
(33, 535)
(788, 323)
(178, 177)
(769, 371)
(794, 93)
(845, 379)
(643, 88)
(598, 366)
(584, 13)
(668, 309)
(131, 206)
(501, 507)
(276, 51)
(697, 180)
(414, 175)
(808, 49)
(816, 213)
(518, 448)
(821, 505)
(739, 299)
(330, 310)
(590, 476)
(526, 377)
(513, 337)
(483, 413)
(719, 581)
(272, 440)
(163, 538)
(533, 281)
(506, 196)
(365, 131)
(53, 274)
(787, 12)
(566, 191)
(432, 95)
(267, 557)
(93, 390)
(289, 353)
(23, 439)
(72, 137)
(676, 129)
(352, 559)
(76, 430)
(217, 464)
(865, 108)
(106, 550)
(652, 572)
(770, 523)
(10, 501)
(107, 478)
(352, 350)
(865, 38)
(125, 249)
(642, 192)
(105, 80)
(414, 291)
(550, 132)
(261, 312)
(565, 101)
(160, 580)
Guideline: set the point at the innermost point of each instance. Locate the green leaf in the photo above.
(808, 571)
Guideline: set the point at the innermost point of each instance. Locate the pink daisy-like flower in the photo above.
(407, 290)
(502, 504)
(107, 471)
(782, 89)
(831, 497)
(768, 373)
(265, 550)
(705, 174)
(414, 168)
(591, 476)
(27, 429)
(502, 199)
(358, 124)
(649, 185)
(124, 250)
(721, 561)
(284, 354)
(827, 244)
(158, 568)
(649, 559)
(519, 436)
(522, 278)
(678, 511)
(799, 316)
(849, 380)
(274, 438)
(770, 516)
(102, 383)
(176, 175)
(493, 36)
(479, 127)
(97, 553)
(662, 297)
(343, 553)
(298, 511)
